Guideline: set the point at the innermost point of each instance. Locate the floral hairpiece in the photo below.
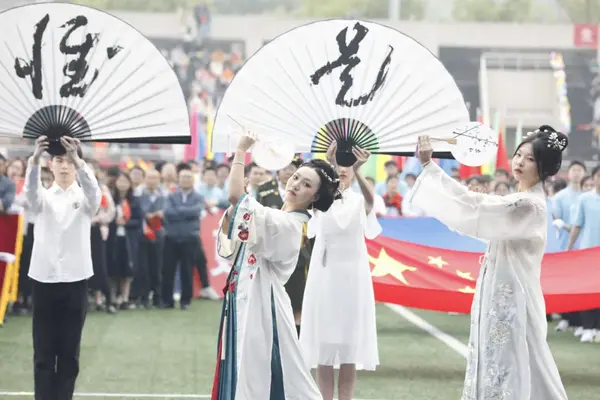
(553, 139)
(323, 172)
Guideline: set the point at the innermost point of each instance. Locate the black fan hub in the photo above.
(348, 133)
(54, 122)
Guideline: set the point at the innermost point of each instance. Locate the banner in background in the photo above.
(11, 242)
(436, 278)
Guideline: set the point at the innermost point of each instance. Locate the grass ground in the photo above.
(172, 351)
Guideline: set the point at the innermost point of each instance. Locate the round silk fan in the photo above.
(272, 156)
(355, 82)
(476, 144)
(73, 70)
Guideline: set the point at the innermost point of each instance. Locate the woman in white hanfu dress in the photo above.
(338, 312)
(509, 357)
(259, 356)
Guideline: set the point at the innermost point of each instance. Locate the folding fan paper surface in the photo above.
(69, 69)
(477, 144)
(355, 82)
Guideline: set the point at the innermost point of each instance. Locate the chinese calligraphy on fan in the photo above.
(76, 69)
(348, 58)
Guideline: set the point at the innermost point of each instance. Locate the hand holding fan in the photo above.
(269, 154)
(71, 70)
(354, 82)
(474, 144)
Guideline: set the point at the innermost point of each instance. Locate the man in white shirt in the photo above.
(61, 263)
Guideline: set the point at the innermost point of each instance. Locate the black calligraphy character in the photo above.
(113, 51)
(77, 69)
(33, 69)
(350, 60)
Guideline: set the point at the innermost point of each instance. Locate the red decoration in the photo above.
(444, 280)
(252, 259)
(243, 235)
(585, 35)
(246, 217)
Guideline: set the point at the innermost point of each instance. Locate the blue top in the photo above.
(587, 217)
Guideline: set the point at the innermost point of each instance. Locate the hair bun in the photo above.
(553, 138)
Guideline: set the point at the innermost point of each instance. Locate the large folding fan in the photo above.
(73, 70)
(358, 83)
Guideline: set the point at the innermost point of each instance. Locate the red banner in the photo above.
(585, 35)
(430, 278)
(218, 268)
(10, 245)
(444, 280)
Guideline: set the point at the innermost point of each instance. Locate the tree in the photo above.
(411, 9)
(140, 5)
(582, 11)
(493, 10)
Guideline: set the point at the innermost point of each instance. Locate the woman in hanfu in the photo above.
(339, 329)
(509, 357)
(259, 356)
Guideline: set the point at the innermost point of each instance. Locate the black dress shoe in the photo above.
(185, 306)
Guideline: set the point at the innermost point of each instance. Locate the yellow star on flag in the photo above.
(465, 275)
(437, 261)
(385, 265)
(467, 289)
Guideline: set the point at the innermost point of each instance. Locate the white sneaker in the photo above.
(578, 331)
(209, 294)
(588, 336)
(597, 338)
(562, 325)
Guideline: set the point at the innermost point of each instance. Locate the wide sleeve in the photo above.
(517, 216)
(271, 233)
(33, 188)
(91, 189)
(349, 213)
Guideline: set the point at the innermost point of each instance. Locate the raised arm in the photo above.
(517, 216)
(91, 189)
(33, 187)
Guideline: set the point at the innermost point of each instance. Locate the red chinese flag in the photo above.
(502, 160)
(436, 279)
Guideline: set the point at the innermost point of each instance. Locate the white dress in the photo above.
(259, 356)
(338, 312)
(509, 357)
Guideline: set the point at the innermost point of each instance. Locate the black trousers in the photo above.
(59, 311)
(202, 266)
(590, 319)
(148, 275)
(182, 253)
(100, 280)
(24, 281)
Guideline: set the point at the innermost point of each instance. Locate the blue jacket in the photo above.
(182, 219)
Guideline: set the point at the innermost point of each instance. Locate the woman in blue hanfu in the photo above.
(509, 357)
(259, 356)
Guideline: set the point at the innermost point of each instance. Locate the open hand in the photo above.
(361, 155)
(424, 150)
(330, 154)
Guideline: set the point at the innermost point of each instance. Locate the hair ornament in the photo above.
(553, 140)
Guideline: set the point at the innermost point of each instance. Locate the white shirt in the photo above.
(63, 218)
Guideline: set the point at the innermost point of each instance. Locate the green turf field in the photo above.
(160, 352)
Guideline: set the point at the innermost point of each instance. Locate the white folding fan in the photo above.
(72, 70)
(359, 83)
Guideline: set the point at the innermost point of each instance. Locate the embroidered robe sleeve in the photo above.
(516, 216)
(272, 234)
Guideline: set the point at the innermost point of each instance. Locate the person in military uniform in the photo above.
(271, 194)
